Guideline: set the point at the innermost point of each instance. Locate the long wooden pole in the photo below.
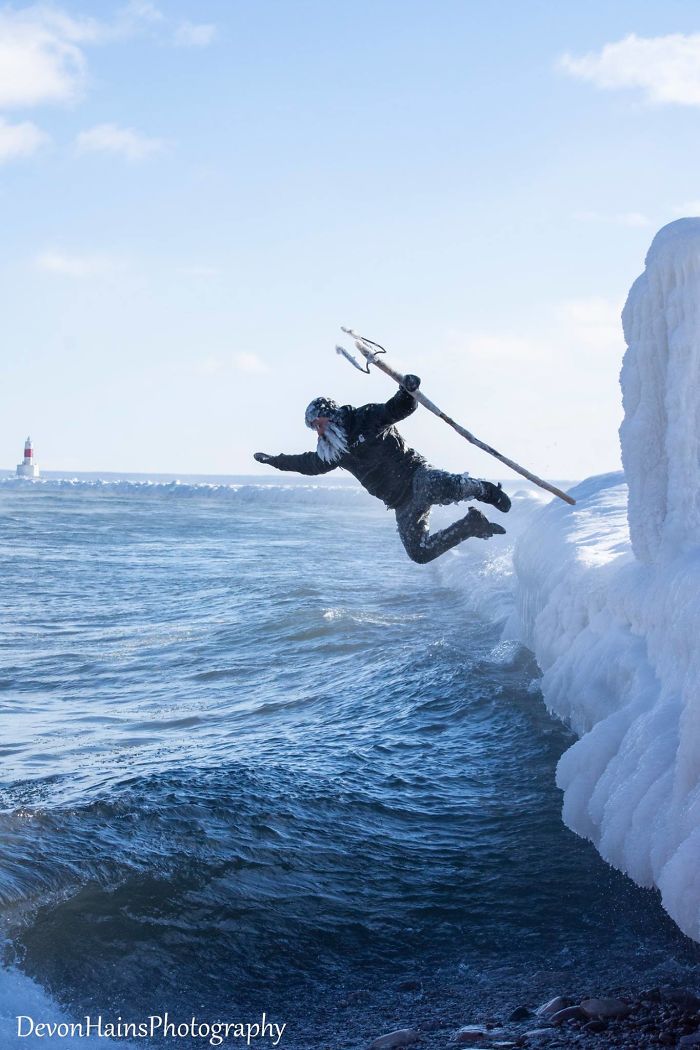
(372, 358)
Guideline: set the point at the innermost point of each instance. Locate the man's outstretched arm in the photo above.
(305, 463)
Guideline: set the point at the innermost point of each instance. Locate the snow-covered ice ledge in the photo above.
(609, 600)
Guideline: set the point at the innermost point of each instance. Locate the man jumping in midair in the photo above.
(364, 442)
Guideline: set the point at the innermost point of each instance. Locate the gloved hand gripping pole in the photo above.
(371, 351)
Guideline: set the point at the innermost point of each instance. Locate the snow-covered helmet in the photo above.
(320, 406)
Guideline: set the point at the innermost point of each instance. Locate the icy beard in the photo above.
(333, 444)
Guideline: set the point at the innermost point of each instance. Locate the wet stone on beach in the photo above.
(554, 1006)
(603, 1009)
(395, 1040)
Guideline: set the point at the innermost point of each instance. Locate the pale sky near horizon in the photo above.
(196, 195)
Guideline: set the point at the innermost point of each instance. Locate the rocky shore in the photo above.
(618, 1018)
(504, 1006)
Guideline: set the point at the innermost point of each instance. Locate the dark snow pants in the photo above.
(431, 488)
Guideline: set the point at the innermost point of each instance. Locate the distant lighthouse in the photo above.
(28, 468)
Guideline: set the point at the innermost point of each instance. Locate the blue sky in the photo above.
(195, 196)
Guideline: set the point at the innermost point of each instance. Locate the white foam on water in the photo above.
(20, 997)
(181, 489)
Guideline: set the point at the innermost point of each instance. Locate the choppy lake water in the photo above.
(253, 758)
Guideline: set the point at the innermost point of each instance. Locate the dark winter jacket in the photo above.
(377, 455)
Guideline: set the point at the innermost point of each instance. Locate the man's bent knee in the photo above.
(419, 555)
(417, 552)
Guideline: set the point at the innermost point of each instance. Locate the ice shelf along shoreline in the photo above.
(608, 598)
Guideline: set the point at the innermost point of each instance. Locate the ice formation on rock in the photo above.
(660, 435)
(609, 601)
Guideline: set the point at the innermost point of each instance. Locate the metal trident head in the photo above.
(367, 348)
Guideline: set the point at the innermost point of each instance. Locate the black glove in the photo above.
(411, 383)
(262, 457)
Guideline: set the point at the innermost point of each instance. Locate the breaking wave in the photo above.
(243, 490)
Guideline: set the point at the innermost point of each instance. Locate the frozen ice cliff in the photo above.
(609, 600)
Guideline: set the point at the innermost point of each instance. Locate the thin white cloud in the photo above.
(634, 219)
(19, 140)
(142, 16)
(42, 56)
(73, 265)
(593, 324)
(250, 363)
(501, 348)
(141, 12)
(187, 34)
(666, 68)
(40, 60)
(222, 365)
(109, 138)
(689, 208)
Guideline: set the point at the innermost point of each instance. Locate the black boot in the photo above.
(475, 524)
(494, 495)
